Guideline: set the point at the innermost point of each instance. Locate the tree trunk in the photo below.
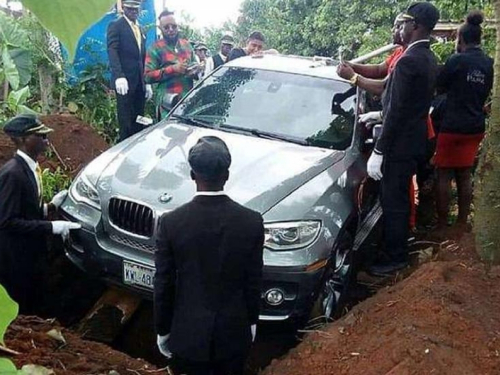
(487, 179)
(46, 77)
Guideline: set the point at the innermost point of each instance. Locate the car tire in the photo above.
(336, 282)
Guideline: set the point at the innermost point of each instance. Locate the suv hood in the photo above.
(262, 172)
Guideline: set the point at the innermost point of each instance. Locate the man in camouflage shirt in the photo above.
(170, 63)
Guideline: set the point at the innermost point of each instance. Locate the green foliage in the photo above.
(68, 19)
(93, 102)
(15, 62)
(443, 50)
(8, 312)
(54, 182)
(7, 367)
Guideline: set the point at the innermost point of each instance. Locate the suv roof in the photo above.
(288, 64)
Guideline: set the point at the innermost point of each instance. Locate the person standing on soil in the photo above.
(467, 79)
(255, 44)
(23, 227)
(226, 45)
(208, 272)
(126, 53)
(170, 64)
(406, 102)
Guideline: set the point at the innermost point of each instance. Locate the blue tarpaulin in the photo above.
(92, 44)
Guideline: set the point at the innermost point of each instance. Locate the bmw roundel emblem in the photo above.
(165, 198)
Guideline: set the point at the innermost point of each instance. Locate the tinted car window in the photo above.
(319, 111)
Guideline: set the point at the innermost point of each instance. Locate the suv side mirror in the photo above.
(170, 101)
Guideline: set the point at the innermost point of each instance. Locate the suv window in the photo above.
(292, 105)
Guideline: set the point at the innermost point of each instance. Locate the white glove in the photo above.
(371, 117)
(375, 166)
(63, 228)
(162, 342)
(121, 85)
(149, 92)
(253, 329)
(59, 198)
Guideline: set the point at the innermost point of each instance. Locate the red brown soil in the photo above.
(442, 319)
(28, 335)
(75, 142)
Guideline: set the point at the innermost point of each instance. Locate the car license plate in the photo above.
(137, 274)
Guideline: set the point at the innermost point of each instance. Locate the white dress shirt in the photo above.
(210, 193)
(32, 165)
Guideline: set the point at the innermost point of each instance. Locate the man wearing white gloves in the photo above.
(402, 143)
(23, 224)
(127, 53)
(208, 272)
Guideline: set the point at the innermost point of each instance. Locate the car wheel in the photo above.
(336, 281)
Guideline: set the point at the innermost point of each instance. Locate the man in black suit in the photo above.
(127, 53)
(22, 225)
(406, 102)
(208, 272)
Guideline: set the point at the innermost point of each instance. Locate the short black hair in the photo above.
(257, 35)
(165, 13)
(471, 31)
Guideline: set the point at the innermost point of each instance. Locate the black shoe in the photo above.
(387, 269)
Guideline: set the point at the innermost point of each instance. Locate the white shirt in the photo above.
(32, 165)
(210, 193)
(209, 63)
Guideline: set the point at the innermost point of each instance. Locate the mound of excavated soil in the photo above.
(443, 319)
(75, 142)
(28, 336)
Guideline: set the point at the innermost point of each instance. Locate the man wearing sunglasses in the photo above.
(23, 223)
(170, 64)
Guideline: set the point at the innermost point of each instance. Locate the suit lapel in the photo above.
(132, 35)
(29, 175)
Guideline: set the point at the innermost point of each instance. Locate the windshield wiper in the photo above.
(194, 121)
(263, 134)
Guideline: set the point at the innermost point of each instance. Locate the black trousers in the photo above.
(130, 106)
(396, 206)
(234, 366)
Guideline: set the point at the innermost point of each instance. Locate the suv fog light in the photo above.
(274, 297)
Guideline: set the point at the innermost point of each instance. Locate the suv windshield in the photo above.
(302, 109)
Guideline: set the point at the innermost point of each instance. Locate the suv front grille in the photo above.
(132, 217)
(133, 243)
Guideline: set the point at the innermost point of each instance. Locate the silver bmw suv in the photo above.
(290, 124)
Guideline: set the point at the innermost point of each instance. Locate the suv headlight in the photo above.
(291, 235)
(84, 191)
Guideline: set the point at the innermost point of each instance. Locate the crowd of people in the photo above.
(430, 115)
(209, 258)
(171, 65)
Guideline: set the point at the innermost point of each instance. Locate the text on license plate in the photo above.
(137, 274)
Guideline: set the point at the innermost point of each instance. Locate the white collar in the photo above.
(416, 42)
(210, 193)
(31, 163)
(224, 58)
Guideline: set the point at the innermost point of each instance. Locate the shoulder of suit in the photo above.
(254, 215)
(11, 167)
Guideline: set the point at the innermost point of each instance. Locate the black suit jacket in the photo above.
(406, 102)
(126, 60)
(22, 230)
(208, 278)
